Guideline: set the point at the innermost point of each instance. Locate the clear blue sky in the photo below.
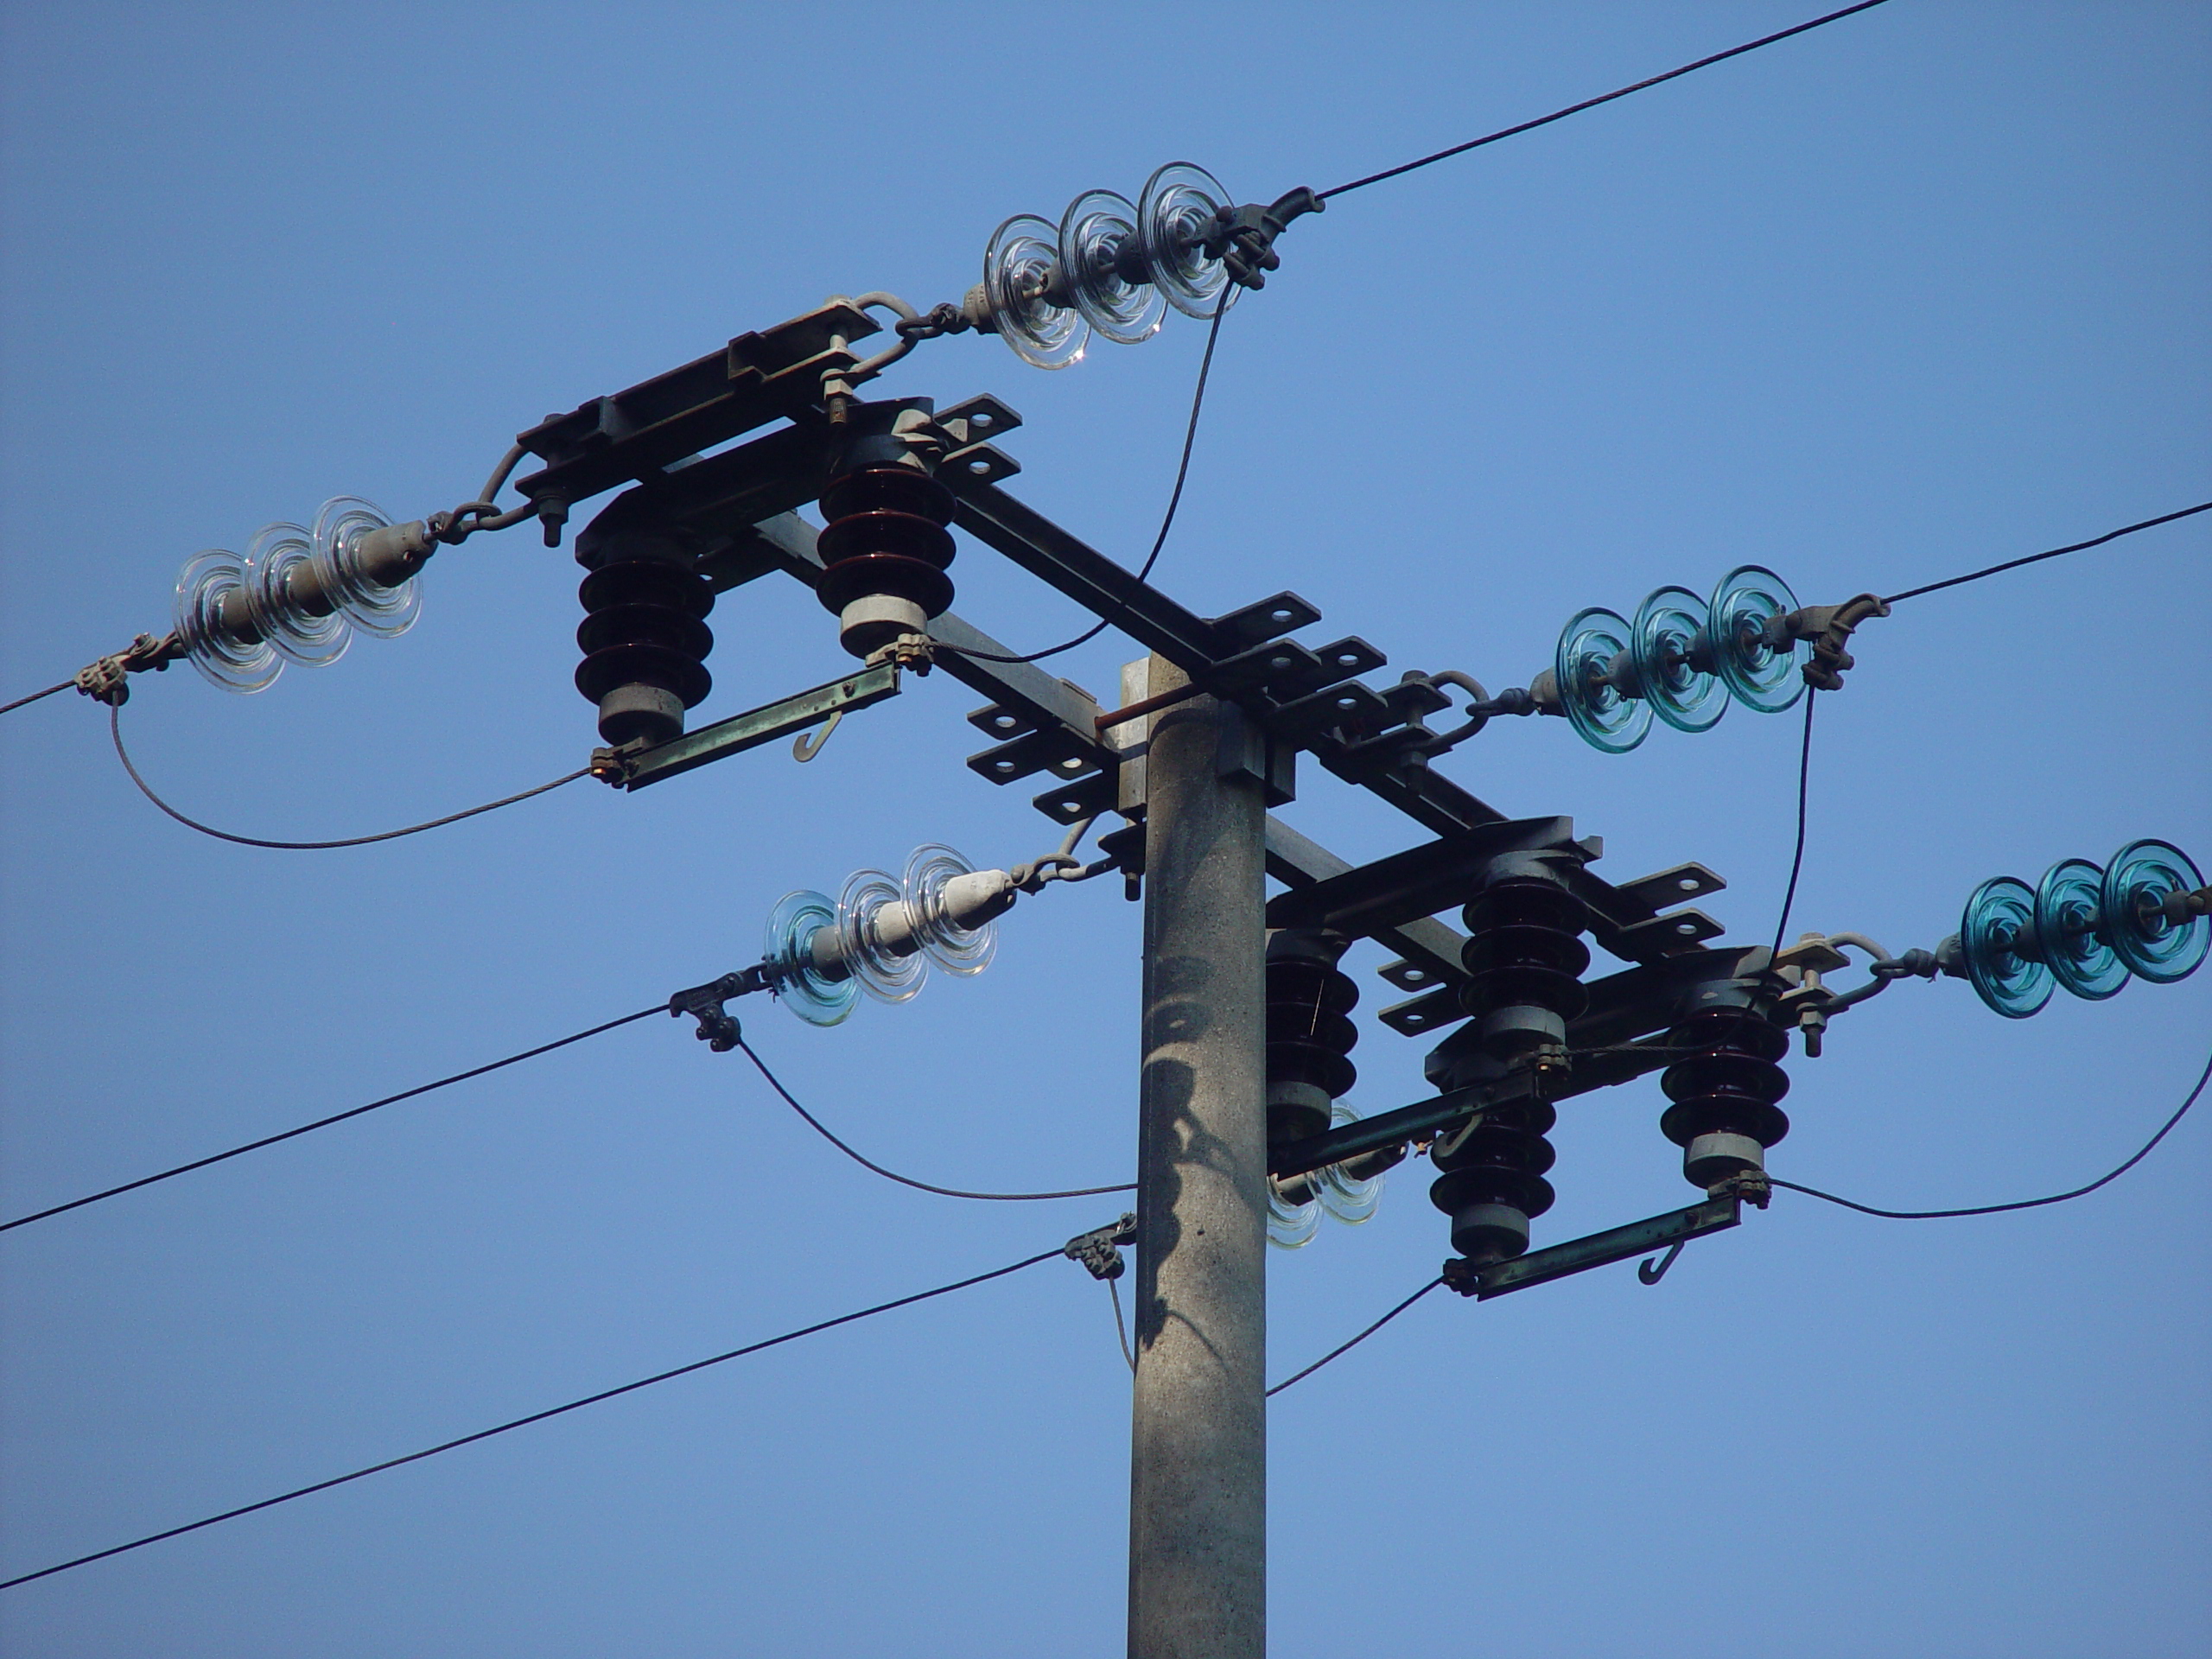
(1920, 291)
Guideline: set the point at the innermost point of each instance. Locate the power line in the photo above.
(2055, 552)
(1174, 500)
(325, 1123)
(1299, 1377)
(115, 730)
(822, 1129)
(2021, 1204)
(19, 703)
(1592, 103)
(534, 1417)
(1797, 858)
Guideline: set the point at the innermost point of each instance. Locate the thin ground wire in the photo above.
(2019, 1203)
(822, 1129)
(1167, 522)
(1592, 103)
(115, 730)
(19, 703)
(2055, 552)
(534, 1417)
(1797, 857)
(1344, 1348)
(1120, 1325)
(325, 1123)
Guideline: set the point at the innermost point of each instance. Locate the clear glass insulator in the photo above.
(870, 899)
(1106, 275)
(275, 556)
(2137, 883)
(1598, 709)
(1178, 205)
(2069, 927)
(224, 659)
(788, 955)
(368, 604)
(1292, 1221)
(1348, 1198)
(1763, 676)
(1996, 937)
(1022, 287)
(956, 949)
(1667, 639)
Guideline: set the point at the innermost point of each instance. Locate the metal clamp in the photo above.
(1100, 1249)
(718, 1027)
(107, 680)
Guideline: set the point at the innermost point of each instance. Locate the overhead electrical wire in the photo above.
(2055, 552)
(19, 703)
(115, 730)
(325, 1123)
(534, 1417)
(822, 1129)
(1341, 1348)
(1167, 523)
(2165, 1129)
(1592, 103)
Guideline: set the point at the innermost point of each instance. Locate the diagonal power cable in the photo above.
(2165, 1129)
(534, 1417)
(1167, 523)
(325, 1123)
(1592, 103)
(23, 702)
(2055, 552)
(115, 731)
(1346, 1347)
(822, 1129)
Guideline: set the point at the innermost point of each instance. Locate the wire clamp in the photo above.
(107, 680)
(718, 1027)
(1100, 1249)
(915, 651)
(612, 765)
(1751, 1186)
(1829, 627)
(1243, 238)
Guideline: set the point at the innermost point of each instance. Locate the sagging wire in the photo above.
(2165, 1129)
(869, 1164)
(1344, 1347)
(115, 731)
(534, 1417)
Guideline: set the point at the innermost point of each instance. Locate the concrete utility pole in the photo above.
(1198, 1484)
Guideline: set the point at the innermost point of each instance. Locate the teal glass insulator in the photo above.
(1997, 941)
(1596, 703)
(1762, 676)
(2069, 927)
(1672, 663)
(2137, 883)
(788, 955)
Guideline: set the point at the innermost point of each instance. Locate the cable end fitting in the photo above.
(1100, 1249)
(1243, 238)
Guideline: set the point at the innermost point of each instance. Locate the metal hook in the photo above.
(804, 748)
(1652, 1275)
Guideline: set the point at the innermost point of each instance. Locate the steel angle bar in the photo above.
(1599, 1250)
(755, 727)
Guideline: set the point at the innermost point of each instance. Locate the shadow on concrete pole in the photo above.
(1198, 1484)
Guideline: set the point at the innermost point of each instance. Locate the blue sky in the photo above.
(1913, 294)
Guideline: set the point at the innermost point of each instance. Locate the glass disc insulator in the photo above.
(368, 604)
(1349, 1198)
(1106, 274)
(788, 955)
(1583, 665)
(956, 949)
(278, 556)
(2137, 882)
(1666, 643)
(2069, 927)
(223, 658)
(1021, 284)
(1178, 204)
(1762, 676)
(1292, 1221)
(1994, 935)
(870, 899)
